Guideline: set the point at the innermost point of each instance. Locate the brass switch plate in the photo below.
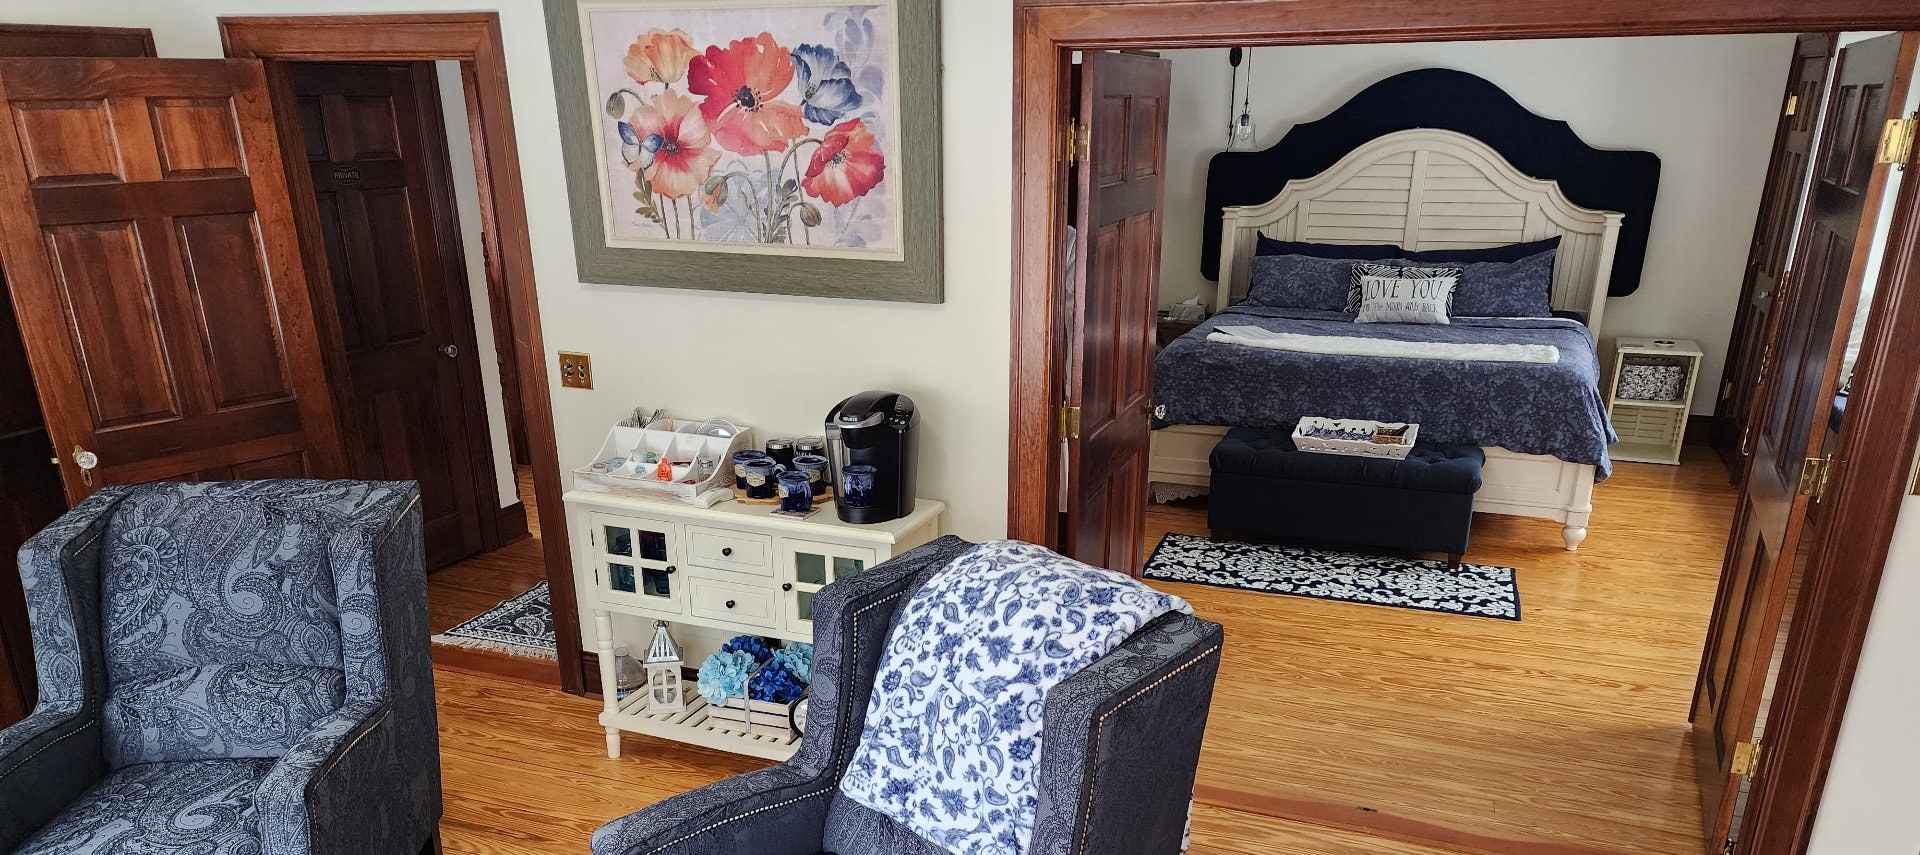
(576, 370)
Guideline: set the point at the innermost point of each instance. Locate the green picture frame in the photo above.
(910, 271)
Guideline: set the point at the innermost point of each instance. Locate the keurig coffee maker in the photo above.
(870, 446)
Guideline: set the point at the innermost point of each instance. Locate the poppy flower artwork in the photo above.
(764, 129)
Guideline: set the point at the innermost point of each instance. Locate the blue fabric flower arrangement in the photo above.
(725, 675)
(750, 645)
(798, 658)
(777, 683)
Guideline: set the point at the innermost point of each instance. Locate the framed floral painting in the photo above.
(776, 146)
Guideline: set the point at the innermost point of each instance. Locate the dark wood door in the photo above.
(150, 251)
(30, 492)
(1781, 202)
(1120, 185)
(1790, 417)
(376, 149)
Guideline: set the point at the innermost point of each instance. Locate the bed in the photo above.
(1544, 431)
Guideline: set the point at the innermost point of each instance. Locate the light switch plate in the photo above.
(576, 370)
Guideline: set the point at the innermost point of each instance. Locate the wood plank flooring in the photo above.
(1337, 729)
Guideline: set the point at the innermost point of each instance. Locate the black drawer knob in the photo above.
(726, 551)
(670, 569)
(787, 587)
(729, 604)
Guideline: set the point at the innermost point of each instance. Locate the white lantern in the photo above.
(666, 692)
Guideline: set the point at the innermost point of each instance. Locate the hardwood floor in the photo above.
(467, 588)
(1337, 729)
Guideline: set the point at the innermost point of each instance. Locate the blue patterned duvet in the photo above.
(1528, 408)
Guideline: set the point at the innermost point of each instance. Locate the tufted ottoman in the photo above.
(1262, 485)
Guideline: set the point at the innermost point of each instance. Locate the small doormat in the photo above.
(1476, 590)
(521, 626)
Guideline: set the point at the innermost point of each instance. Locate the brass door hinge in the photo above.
(1079, 142)
(1793, 105)
(1814, 474)
(1896, 141)
(1069, 422)
(1746, 758)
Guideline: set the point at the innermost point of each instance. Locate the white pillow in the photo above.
(1403, 295)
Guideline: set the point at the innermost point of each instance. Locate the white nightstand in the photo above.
(1651, 431)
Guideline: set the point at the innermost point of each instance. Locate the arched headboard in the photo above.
(1429, 189)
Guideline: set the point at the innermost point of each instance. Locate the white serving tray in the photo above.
(678, 440)
(1355, 447)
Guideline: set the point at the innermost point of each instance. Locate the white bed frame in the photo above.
(1428, 189)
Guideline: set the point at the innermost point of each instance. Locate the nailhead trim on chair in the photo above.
(838, 749)
(1093, 751)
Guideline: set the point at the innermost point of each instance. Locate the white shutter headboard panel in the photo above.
(1429, 189)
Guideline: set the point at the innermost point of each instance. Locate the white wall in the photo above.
(466, 206)
(1706, 104)
(716, 354)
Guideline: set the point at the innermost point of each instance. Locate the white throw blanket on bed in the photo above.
(952, 743)
(1346, 345)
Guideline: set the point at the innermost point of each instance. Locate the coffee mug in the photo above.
(856, 485)
(740, 460)
(796, 492)
(816, 468)
(761, 473)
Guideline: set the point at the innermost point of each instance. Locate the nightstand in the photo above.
(1650, 395)
(1171, 329)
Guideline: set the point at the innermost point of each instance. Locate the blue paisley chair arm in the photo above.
(782, 810)
(49, 759)
(321, 789)
(1117, 762)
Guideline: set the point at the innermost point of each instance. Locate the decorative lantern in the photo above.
(665, 690)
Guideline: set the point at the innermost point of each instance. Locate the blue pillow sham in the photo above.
(1385, 251)
(1506, 289)
(1300, 282)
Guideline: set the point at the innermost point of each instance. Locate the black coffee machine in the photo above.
(870, 446)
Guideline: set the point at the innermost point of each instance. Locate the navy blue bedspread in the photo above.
(1524, 407)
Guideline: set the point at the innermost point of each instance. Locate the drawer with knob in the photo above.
(733, 602)
(740, 552)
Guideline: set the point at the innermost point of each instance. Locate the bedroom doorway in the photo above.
(1843, 517)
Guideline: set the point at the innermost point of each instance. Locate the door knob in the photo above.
(450, 351)
(86, 460)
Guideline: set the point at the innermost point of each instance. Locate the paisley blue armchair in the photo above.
(227, 668)
(1120, 746)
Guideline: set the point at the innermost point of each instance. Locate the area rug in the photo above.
(1477, 590)
(521, 626)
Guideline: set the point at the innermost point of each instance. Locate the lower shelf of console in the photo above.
(695, 726)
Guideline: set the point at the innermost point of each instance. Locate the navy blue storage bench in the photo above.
(1262, 485)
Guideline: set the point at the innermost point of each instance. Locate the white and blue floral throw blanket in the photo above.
(952, 742)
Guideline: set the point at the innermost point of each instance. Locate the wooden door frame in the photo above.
(1830, 620)
(474, 40)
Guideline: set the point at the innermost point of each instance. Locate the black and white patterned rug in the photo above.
(521, 626)
(1470, 589)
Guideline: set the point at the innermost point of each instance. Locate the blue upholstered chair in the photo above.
(227, 669)
(1120, 744)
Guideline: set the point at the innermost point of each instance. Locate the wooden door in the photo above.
(376, 151)
(151, 255)
(30, 492)
(1773, 234)
(1790, 418)
(1120, 184)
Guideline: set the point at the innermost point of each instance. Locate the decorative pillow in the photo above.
(1349, 251)
(1507, 289)
(1407, 295)
(1300, 282)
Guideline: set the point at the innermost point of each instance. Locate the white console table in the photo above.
(734, 567)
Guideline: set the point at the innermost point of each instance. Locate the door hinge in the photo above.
(1746, 758)
(1896, 140)
(1793, 105)
(1069, 422)
(1079, 142)
(1814, 473)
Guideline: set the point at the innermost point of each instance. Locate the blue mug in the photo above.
(816, 468)
(856, 486)
(740, 460)
(796, 492)
(761, 472)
